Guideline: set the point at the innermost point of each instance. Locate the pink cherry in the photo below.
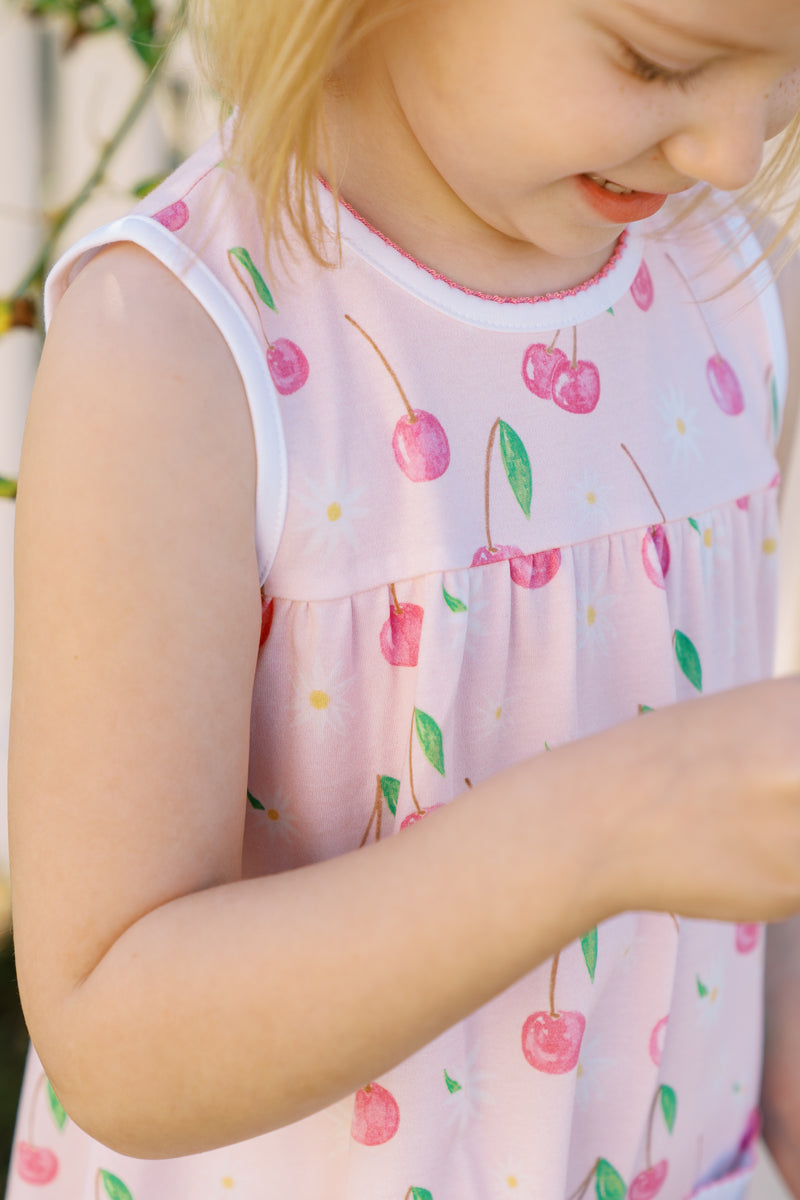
(376, 1116)
(747, 937)
(751, 1133)
(36, 1164)
(645, 1185)
(499, 554)
(642, 288)
(552, 1043)
(724, 385)
(401, 634)
(655, 554)
(538, 368)
(288, 366)
(174, 216)
(576, 389)
(421, 447)
(743, 502)
(535, 570)
(415, 816)
(657, 1040)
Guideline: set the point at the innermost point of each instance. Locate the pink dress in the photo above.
(485, 528)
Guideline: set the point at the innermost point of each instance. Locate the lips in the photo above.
(617, 206)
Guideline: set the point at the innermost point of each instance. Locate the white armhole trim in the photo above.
(270, 446)
(748, 251)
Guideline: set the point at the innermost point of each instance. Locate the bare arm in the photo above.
(145, 962)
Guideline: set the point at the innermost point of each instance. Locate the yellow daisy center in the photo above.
(227, 1182)
(273, 814)
(334, 511)
(591, 615)
(770, 545)
(708, 538)
(591, 497)
(319, 700)
(512, 1181)
(497, 712)
(680, 425)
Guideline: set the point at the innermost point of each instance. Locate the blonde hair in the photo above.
(271, 61)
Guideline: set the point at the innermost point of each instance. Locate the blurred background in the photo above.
(95, 111)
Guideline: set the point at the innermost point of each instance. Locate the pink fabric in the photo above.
(629, 563)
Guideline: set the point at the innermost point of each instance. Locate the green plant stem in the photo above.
(35, 275)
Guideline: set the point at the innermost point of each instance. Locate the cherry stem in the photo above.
(552, 345)
(487, 472)
(411, 417)
(574, 347)
(468, 782)
(643, 478)
(377, 811)
(411, 765)
(398, 610)
(697, 302)
(649, 1148)
(580, 1192)
(553, 973)
(251, 297)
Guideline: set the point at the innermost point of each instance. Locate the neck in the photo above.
(401, 194)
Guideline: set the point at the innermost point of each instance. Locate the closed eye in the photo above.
(651, 72)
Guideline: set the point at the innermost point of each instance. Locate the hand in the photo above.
(706, 818)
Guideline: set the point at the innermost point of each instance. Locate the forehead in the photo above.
(770, 25)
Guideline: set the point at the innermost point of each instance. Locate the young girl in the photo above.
(435, 871)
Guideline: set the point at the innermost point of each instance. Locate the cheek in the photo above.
(785, 103)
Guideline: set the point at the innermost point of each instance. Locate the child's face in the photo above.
(502, 107)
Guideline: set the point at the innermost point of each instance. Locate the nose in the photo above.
(721, 143)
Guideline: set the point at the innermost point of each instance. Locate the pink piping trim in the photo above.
(574, 291)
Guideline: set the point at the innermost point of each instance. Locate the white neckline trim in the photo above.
(534, 316)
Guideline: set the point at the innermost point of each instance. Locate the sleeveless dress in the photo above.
(485, 527)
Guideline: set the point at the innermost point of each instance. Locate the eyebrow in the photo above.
(707, 37)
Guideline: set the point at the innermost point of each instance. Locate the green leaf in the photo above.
(453, 603)
(115, 1188)
(702, 990)
(420, 1194)
(669, 1106)
(430, 738)
(644, 708)
(610, 310)
(589, 948)
(776, 407)
(255, 803)
(390, 789)
(241, 255)
(517, 465)
(146, 186)
(452, 1084)
(8, 488)
(609, 1184)
(56, 1107)
(694, 525)
(688, 659)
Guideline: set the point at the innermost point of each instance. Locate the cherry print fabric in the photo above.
(507, 525)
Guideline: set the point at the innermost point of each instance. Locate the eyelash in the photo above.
(650, 72)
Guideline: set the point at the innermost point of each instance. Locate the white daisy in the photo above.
(495, 715)
(276, 817)
(509, 1183)
(681, 427)
(467, 1091)
(320, 699)
(589, 1086)
(331, 511)
(591, 499)
(595, 627)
